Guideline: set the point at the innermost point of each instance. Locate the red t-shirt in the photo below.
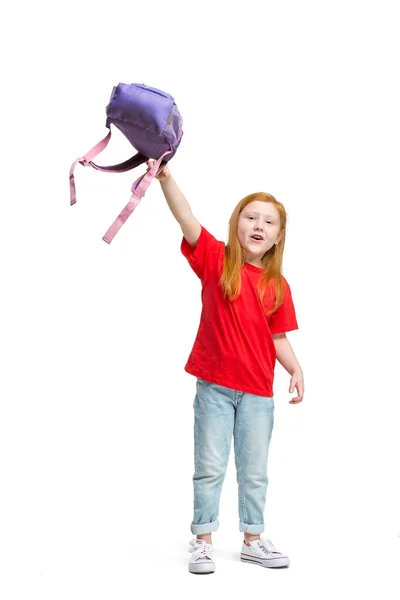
(234, 346)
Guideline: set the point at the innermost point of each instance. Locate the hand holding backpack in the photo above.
(150, 119)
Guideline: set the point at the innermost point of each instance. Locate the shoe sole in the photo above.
(276, 563)
(201, 572)
(201, 568)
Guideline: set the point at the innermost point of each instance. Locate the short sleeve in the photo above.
(203, 254)
(284, 319)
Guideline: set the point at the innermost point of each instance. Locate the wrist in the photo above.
(297, 371)
(165, 179)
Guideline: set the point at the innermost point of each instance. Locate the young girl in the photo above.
(247, 308)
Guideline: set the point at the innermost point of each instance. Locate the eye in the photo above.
(269, 222)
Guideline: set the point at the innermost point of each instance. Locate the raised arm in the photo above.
(179, 207)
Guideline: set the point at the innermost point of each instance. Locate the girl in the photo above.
(247, 309)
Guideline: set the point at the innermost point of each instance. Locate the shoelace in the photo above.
(200, 548)
(266, 544)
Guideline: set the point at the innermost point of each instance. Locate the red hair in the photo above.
(235, 255)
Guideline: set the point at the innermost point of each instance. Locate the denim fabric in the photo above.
(220, 412)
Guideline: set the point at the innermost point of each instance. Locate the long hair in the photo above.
(235, 256)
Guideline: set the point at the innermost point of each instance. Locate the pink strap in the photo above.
(85, 161)
(139, 188)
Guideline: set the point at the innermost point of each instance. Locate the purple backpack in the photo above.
(150, 119)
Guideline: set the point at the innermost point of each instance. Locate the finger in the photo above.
(296, 400)
(293, 384)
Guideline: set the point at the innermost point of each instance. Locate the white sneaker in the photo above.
(262, 552)
(202, 557)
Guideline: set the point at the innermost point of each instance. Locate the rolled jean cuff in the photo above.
(202, 528)
(251, 528)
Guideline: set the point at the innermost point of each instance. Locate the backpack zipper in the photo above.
(156, 91)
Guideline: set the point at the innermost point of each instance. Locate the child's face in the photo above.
(258, 218)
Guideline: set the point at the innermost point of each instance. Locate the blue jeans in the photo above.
(218, 412)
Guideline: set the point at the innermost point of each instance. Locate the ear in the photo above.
(282, 233)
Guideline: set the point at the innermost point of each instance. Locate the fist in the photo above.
(162, 175)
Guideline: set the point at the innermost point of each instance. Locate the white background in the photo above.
(299, 99)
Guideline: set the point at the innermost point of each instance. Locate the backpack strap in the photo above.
(86, 161)
(129, 164)
(139, 188)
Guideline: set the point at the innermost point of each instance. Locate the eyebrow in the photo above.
(257, 213)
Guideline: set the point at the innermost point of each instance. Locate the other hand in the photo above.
(297, 382)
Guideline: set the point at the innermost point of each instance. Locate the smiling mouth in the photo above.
(256, 239)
